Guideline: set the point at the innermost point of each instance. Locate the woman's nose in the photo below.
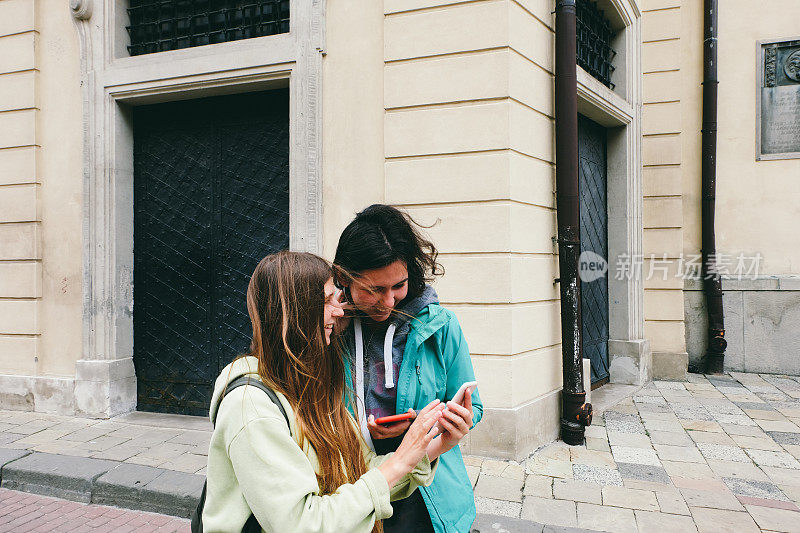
(388, 301)
(337, 310)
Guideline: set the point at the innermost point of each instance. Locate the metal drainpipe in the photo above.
(576, 414)
(712, 284)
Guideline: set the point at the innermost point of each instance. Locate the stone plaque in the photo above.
(779, 106)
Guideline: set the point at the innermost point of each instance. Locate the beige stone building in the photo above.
(445, 108)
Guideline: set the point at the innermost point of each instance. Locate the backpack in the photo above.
(252, 525)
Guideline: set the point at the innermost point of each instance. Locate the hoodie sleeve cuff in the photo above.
(424, 472)
(379, 490)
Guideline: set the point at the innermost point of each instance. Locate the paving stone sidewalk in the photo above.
(716, 453)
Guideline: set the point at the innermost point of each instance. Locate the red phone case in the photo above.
(393, 418)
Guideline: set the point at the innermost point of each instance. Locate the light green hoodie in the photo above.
(256, 465)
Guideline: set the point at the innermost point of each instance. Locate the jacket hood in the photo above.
(239, 367)
(410, 308)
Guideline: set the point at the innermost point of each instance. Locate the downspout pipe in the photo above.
(712, 284)
(576, 414)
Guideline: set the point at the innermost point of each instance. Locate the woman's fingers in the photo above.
(430, 435)
(394, 430)
(427, 417)
(427, 426)
(428, 408)
(468, 402)
(451, 429)
(461, 412)
(385, 432)
(454, 424)
(458, 418)
(435, 428)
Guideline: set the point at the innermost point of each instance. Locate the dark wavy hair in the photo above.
(380, 235)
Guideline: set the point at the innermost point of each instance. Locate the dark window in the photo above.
(160, 25)
(594, 42)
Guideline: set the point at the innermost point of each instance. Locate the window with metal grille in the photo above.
(594, 41)
(160, 25)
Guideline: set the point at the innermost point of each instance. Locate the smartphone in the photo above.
(466, 388)
(393, 418)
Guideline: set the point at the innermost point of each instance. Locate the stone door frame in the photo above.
(620, 111)
(105, 382)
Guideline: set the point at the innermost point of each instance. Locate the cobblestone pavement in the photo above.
(30, 513)
(714, 454)
(164, 441)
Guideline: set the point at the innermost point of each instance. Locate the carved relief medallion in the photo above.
(792, 66)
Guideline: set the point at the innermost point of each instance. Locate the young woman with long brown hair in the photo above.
(316, 473)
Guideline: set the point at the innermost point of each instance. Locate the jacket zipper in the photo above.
(419, 383)
(425, 490)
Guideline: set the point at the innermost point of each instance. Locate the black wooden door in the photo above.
(594, 237)
(211, 198)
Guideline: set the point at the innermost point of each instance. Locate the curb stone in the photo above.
(138, 487)
(146, 488)
(88, 480)
(8, 455)
(60, 476)
(175, 493)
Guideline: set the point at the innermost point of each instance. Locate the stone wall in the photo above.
(662, 162)
(762, 321)
(352, 114)
(758, 202)
(469, 147)
(40, 206)
(20, 187)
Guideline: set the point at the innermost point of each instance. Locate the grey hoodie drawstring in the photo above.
(388, 371)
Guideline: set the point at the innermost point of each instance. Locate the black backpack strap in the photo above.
(252, 524)
(247, 380)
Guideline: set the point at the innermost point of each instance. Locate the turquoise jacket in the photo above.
(436, 362)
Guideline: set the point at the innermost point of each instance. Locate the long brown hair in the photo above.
(286, 299)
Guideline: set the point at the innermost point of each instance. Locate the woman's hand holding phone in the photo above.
(415, 444)
(379, 431)
(456, 422)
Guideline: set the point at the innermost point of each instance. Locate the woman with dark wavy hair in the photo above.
(407, 350)
(298, 462)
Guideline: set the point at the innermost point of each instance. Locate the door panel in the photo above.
(254, 220)
(211, 198)
(592, 171)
